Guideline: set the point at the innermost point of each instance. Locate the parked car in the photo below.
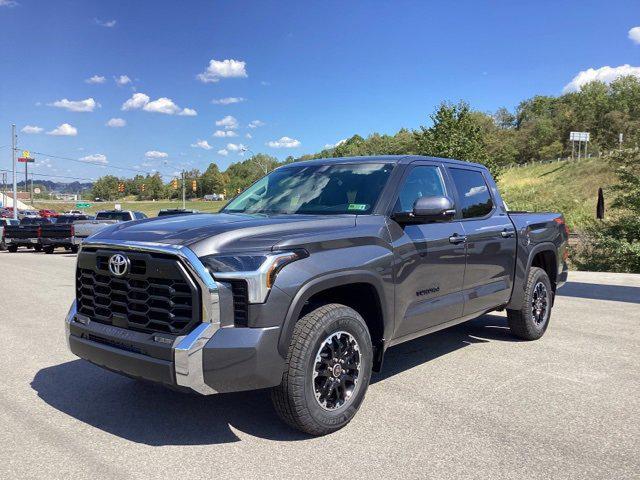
(73, 212)
(28, 214)
(3, 223)
(302, 282)
(105, 218)
(213, 197)
(176, 211)
(6, 212)
(61, 234)
(46, 213)
(26, 233)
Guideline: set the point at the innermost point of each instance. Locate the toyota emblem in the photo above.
(118, 264)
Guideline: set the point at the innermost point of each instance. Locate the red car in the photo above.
(48, 213)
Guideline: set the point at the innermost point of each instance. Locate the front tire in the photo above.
(74, 248)
(532, 320)
(48, 250)
(12, 248)
(38, 248)
(328, 370)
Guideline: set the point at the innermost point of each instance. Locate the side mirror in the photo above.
(428, 209)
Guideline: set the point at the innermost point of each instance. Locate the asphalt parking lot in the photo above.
(468, 402)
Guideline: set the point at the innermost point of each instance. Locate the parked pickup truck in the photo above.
(86, 228)
(304, 280)
(26, 234)
(3, 223)
(61, 234)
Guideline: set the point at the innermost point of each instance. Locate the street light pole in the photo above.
(15, 184)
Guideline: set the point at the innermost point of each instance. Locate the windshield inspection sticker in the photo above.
(358, 206)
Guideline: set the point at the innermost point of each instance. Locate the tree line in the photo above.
(538, 129)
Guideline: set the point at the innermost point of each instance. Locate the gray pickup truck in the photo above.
(303, 281)
(85, 228)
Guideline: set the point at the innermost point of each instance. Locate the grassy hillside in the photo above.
(570, 187)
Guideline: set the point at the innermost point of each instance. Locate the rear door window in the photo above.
(473, 192)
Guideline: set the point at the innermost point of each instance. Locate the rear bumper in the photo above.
(60, 242)
(208, 360)
(22, 242)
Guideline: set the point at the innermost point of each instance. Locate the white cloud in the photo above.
(223, 152)
(248, 135)
(8, 3)
(105, 23)
(284, 142)
(116, 122)
(264, 83)
(156, 154)
(227, 100)
(96, 79)
(228, 123)
(96, 158)
(233, 147)
(225, 133)
(256, 124)
(634, 35)
(161, 105)
(31, 129)
(86, 105)
(122, 80)
(64, 130)
(604, 74)
(334, 145)
(218, 69)
(202, 144)
(137, 100)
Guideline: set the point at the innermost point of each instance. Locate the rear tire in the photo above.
(3, 246)
(38, 248)
(74, 249)
(12, 248)
(532, 320)
(48, 250)
(328, 370)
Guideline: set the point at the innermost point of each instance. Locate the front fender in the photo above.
(331, 280)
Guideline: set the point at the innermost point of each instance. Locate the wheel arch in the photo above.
(543, 255)
(361, 290)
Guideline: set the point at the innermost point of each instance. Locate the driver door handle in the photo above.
(507, 233)
(455, 238)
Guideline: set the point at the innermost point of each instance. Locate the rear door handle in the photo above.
(507, 233)
(455, 238)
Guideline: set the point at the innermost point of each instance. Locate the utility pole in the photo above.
(15, 184)
(184, 199)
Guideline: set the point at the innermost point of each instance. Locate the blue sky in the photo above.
(308, 73)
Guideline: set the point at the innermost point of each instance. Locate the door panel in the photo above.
(429, 268)
(491, 242)
(490, 263)
(429, 276)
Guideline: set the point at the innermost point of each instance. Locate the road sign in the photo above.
(36, 190)
(579, 136)
(26, 160)
(83, 205)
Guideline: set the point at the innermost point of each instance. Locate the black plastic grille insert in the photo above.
(155, 295)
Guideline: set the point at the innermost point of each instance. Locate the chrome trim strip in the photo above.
(187, 350)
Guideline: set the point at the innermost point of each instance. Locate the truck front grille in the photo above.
(155, 295)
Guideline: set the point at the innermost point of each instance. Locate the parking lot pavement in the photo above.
(470, 401)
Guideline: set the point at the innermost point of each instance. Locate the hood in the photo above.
(224, 232)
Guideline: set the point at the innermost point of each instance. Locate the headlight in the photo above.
(259, 269)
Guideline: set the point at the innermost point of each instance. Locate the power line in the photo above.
(54, 176)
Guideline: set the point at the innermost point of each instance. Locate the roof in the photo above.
(395, 159)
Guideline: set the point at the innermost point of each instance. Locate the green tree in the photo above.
(106, 187)
(455, 133)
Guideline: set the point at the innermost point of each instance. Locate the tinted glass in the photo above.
(315, 189)
(475, 199)
(422, 181)
(121, 216)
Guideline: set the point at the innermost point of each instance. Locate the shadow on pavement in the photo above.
(153, 415)
(595, 291)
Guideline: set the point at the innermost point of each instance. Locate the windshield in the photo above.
(120, 216)
(315, 189)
